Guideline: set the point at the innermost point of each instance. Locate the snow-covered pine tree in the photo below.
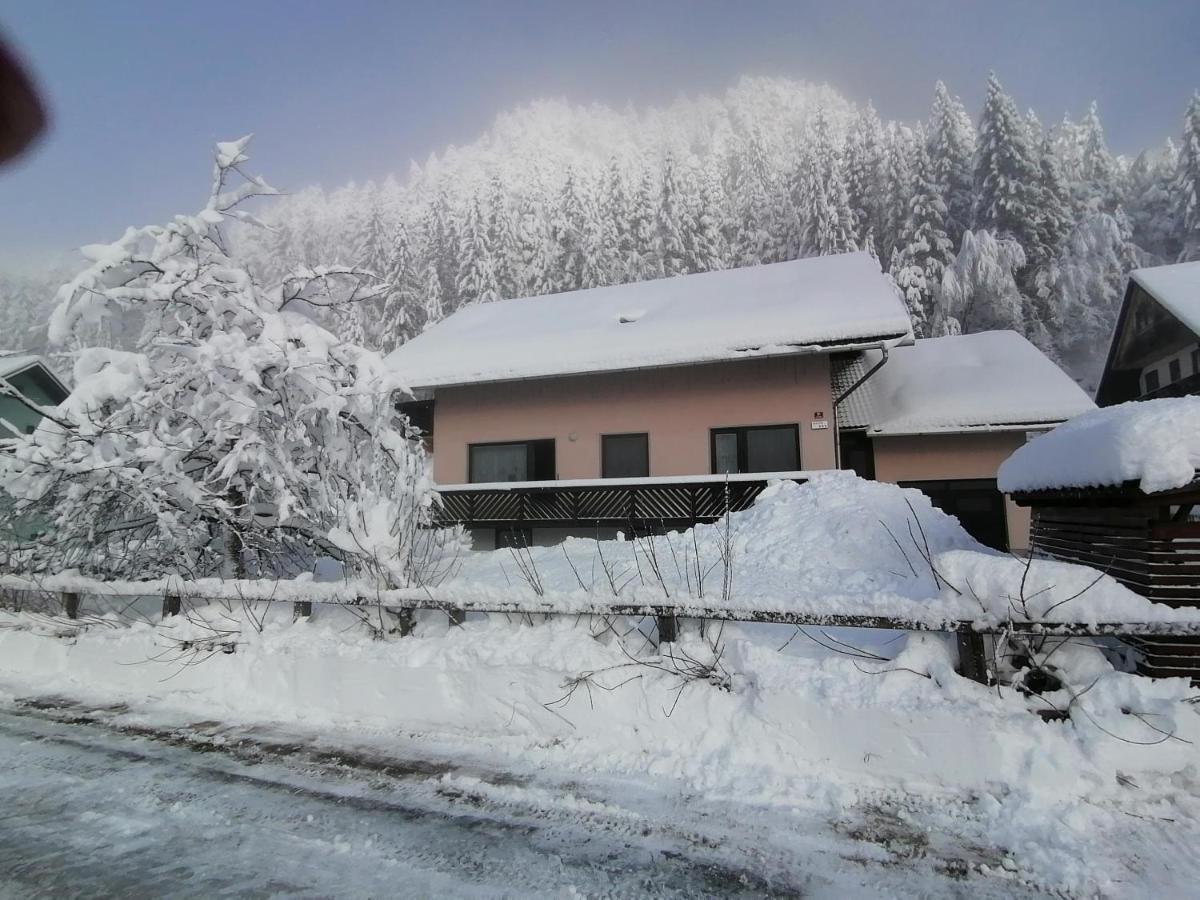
(1006, 170)
(900, 145)
(924, 249)
(404, 290)
(1187, 183)
(673, 219)
(865, 183)
(358, 323)
(753, 189)
(502, 239)
(238, 436)
(1052, 220)
(1100, 173)
(617, 223)
(707, 247)
(441, 242)
(825, 222)
(951, 143)
(536, 274)
(476, 274)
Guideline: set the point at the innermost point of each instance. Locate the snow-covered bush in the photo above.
(237, 436)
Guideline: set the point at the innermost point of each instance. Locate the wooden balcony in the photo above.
(637, 503)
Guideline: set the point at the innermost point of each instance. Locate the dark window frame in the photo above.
(742, 452)
(604, 438)
(1196, 361)
(532, 469)
(1151, 381)
(1174, 370)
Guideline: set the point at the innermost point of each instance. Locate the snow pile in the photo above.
(836, 544)
(1155, 443)
(730, 314)
(992, 378)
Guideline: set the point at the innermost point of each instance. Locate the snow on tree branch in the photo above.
(236, 435)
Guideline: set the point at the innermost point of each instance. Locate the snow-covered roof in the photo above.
(988, 380)
(1153, 442)
(788, 307)
(11, 365)
(1177, 288)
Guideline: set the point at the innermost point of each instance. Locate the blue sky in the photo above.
(353, 90)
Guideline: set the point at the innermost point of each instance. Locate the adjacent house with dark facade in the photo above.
(32, 378)
(663, 403)
(1155, 350)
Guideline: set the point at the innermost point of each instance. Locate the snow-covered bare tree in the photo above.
(237, 436)
(979, 290)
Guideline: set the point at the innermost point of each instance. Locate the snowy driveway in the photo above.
(88, 808)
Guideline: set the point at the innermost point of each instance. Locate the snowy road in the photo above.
(90, 808)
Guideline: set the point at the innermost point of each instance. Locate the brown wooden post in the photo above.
(972, 657)
(668, 629)
(71, 604)
(301, 609)
(406, 621)
(171, 605)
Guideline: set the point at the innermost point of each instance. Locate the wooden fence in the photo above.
(974, 660)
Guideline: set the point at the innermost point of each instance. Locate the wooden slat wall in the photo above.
(1143, 548)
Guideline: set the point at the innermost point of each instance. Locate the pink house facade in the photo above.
(659, 404)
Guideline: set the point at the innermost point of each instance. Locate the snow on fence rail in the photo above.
(303, 594)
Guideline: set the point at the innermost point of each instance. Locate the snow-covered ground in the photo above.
(842, 758)
(195, 809)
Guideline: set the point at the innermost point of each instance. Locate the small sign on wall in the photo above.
(818, 421)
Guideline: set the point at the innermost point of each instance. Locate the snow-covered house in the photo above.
(662, 403)
(32, 378)
(1155, 350)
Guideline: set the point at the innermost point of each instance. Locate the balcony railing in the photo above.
(612, 502)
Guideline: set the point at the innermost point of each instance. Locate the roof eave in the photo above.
(994, 427)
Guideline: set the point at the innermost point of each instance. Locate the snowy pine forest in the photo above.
(996, 220)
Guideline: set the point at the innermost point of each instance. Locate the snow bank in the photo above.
(835, 545)
(1153, 442)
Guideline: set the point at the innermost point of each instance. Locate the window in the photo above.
(763, 448)
(1175, 370)
(1151, 380)
(1196, 362)
(624, 455)
(511, 461)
